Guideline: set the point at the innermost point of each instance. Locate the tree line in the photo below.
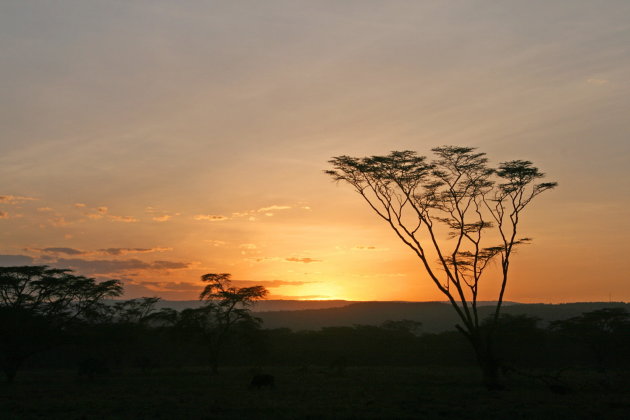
(479, 207)
(51, 318)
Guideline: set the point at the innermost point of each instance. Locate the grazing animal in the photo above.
(262, 380)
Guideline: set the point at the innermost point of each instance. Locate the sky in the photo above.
(154, 141)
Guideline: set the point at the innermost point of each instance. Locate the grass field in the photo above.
(387, 393)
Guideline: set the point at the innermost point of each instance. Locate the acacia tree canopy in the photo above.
(225, 307)
(53, 293)
(457, 192)
(37, 303)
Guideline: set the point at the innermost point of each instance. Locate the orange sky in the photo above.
(154, 142)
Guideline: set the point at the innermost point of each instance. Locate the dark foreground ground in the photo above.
(385, 393)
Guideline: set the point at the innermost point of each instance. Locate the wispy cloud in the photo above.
(169, 265)
(62, 250)
(164, 286)
(368, 248)
(58, 221)
(102, 212)
(14, 260)
(123, 219)
(269, 283)
(252, 215)
(160, 215)
(305, 260)
(91, 267)
(13, 199)
(211, 217)
(304, 297)
(273, 208)
(125, 251)
(302, 260)
(597, 82)
(102, 251)
(263, 259)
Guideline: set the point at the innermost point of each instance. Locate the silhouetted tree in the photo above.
(457, 192)
(604, 332)
(136, 311)
(225, 306)
(38, 303)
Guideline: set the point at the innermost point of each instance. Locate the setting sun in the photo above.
(246, 209)
(194, 157)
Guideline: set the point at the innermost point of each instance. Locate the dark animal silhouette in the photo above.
(262, 380)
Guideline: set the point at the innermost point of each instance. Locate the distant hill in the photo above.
(435, 316)
(264, 305)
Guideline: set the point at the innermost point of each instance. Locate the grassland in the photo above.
(419, 393)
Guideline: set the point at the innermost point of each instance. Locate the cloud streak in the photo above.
(368, 248)
(270, 283)
(103, 267)
(14, 199)
(597, 82)
(62, 250)
(123, 219)
(125, 251)
(305, 260)
(273, 208)
(15, 260)
(164, 286)
(211, 217)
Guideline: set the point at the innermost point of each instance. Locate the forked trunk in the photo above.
(491, 374)
(488, 363)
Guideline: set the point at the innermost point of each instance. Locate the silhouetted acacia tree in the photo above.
(457, 194)
(38, 303)
(225, 307)
(136, 311)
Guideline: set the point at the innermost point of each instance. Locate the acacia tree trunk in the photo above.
(490, 372)
(214, 349)
(483, 346)
(214, 359)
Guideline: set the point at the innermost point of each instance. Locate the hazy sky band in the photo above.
(198, 132)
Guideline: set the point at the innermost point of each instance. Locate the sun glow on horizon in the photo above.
(198, 154)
